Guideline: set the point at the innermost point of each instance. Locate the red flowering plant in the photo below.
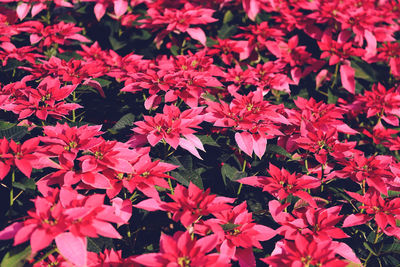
(199, 133)
(183, 250)
(179, 21)
(46, 99)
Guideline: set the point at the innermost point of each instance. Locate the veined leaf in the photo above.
(25, 184)
(226, 31)
(16, 257)
(174, 50)
(279, 150)
(207, 140)
(15, 133)
(228, 17)
(185, 173)
(231, 173)
(103, 82)
(99, 244)
(367, 246)
(229, 226)
(363, 70)
(124, 121)
(4, 125)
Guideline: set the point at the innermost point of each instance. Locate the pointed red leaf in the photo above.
(245, 142)
(72, 248)
(347, 75)
(355, 219)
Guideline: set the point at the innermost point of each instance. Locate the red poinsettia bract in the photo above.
(182, 250)
(68, 218)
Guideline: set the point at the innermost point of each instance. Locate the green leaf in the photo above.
(231, 173)
(82, 10)
(115, 44)
(25, 184)
(15, 133)
(210, 42)
(174, 160)
(393, 193)
(150, 247)
(181, 179)
(332, 99)
(67, 56)
(228, 17)
(352, 264)
(200, 170)
(207, 95)
(228, 171)
(4, 125)
(185, 173)
(174, 50)
(12, 64)
(67, 18)
(367, 246)
(302, 93)
(51, 52)
(363, 70)
(187, 162)
(229, 226)
(263, 16)
(279, 150)
(16, 257)
(390, 260)
(184, 177)
(371, 237)
(97, 245)
(144, 35)
(208, 140)
(226, 31)
(103, 82)
(393, 248)
(124, 121)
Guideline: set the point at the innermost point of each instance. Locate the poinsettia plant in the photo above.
(199, 133)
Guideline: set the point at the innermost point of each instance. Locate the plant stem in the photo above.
(306, 165)
(133, 196)
(243, 169)
(240, 189)
(377, 235)
(170, 186)
(73, 111)
(363, 187)
(183, 46)
(396, 154)
(322, 178)
(335, 76)
(46, 255)
(20, 193)
(11, 188)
